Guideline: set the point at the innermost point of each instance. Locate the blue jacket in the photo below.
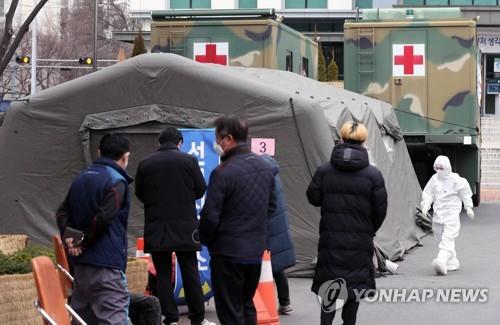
(278, 236)
(85, 198)
(239, 200)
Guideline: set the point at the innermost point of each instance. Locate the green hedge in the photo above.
(20, 261)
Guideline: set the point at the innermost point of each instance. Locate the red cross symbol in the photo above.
(211, 55)
(408, 60)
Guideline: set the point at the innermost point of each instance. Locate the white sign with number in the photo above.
(263, 146)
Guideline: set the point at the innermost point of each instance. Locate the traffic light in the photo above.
(86, 60)
(23, 59)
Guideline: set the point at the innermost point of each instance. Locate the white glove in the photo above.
(425, 208)
(470, 213)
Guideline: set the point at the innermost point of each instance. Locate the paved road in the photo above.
(478, 248)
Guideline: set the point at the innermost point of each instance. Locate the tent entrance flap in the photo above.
(143, 121)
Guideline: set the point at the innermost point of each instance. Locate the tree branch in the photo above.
(7, 34)
(20, 34)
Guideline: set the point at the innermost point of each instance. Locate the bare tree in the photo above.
(49, 46)
(9, 46)
(65, 39)
(78, 33)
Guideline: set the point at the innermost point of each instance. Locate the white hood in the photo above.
(442, 167)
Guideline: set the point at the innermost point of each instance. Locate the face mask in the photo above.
(218, 149)
(441, 172)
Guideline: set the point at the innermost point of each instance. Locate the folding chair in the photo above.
(50, 303)
(62, 266)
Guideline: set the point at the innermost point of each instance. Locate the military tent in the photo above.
(47, 138)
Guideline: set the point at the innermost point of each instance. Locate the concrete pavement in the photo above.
(478, 248)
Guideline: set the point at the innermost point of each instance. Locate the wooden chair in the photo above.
(51, 303)
(65, 277)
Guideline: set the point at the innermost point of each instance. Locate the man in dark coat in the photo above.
(233, 222)
(353, 201)
(169, 182)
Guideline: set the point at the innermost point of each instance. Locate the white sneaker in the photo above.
(207, 322)
(439, 267)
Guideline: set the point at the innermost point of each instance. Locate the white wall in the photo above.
(276, 4)
(147, 5)
(223, 4)
(340, 4)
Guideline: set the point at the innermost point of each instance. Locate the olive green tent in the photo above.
(47, 138)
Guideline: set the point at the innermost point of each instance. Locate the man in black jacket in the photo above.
(169, 182)
(233, 222)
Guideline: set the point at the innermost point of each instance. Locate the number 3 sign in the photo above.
(261, 146)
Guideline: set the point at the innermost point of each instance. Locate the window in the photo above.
(305, 67)
(451, 2)
(247, 4)
(316, 4)
(485, 2)
(364, 4)
(436, 2)
(289, 61)
(190, 4)
(302, 4)
(413, 2)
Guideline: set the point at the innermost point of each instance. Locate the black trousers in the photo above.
(188, 264)
(234, 286)
(282, 287)
(349, 311)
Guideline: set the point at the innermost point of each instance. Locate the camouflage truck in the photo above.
(246, 38)
(423, 62)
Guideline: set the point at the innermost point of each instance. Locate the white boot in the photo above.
(439, 267)
(453, 264)
(440, 262)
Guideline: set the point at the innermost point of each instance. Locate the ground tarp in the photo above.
(47, 138)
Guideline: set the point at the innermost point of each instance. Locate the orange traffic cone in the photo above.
(139, 248)
(265, 297)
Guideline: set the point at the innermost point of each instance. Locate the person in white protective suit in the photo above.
(447, 191)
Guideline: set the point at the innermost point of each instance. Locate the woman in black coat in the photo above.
(353, 201)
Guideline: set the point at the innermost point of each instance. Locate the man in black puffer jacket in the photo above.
(233, 222)
(353, 201)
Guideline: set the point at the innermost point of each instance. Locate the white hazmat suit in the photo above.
(447, 191)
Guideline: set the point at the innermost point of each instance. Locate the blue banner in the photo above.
(199, 143)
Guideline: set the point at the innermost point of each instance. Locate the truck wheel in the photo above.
(476, 198)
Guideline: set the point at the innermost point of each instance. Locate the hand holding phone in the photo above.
(73, 239)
